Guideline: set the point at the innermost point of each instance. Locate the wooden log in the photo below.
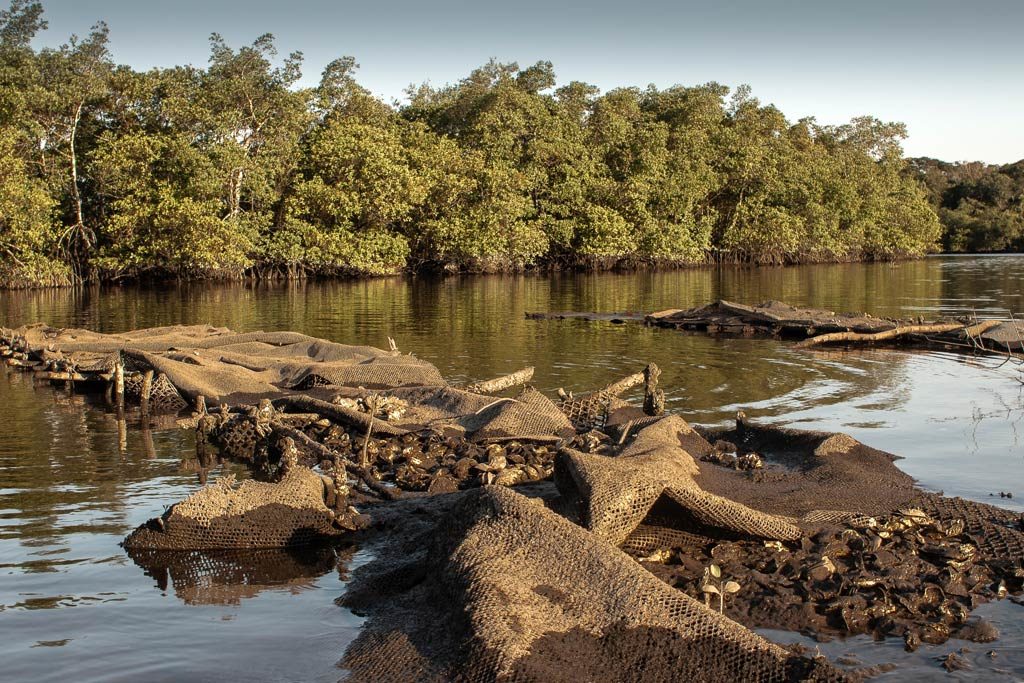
(625, 384)
(493, 386)
(978, 329)
(895, 333)
(656, 317)
(62, 376)
(349, 416)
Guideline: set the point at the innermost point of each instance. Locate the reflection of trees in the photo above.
(988, 284)
(63, 470)
(475, 327)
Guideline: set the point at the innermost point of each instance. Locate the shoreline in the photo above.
(625, 267)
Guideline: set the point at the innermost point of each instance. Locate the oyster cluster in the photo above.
(387, 408)
(726, 454)
(438, 464)
(905, 575)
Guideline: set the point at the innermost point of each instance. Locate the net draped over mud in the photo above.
(472, 580)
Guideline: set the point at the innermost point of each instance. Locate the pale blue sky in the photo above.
(952, 71)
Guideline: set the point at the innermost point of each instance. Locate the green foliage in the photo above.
(981, 206)
(231, 170)
(26, 224)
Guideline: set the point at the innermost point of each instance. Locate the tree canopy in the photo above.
(234, 170)
(981, 205)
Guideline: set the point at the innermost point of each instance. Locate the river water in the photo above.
(73, 604)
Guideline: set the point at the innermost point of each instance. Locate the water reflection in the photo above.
(226, 577)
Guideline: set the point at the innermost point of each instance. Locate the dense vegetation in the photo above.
(233, 170)
(981, 206)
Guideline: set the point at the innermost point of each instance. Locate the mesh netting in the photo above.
(250, 515)
(806, 471)
(615, 495)
(224, 366)
(162, 398)
(589, 411)
(998, 533)
(525, 595)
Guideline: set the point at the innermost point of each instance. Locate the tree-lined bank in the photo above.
(232, 170)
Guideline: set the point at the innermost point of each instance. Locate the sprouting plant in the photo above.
(713, 584)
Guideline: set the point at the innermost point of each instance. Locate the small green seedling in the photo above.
(712, 584)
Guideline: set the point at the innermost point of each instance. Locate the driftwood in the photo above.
(119, 382)
(349, 416)
(623, 385)
(654, 398)
(493, 386)
(812, 327)
(971, 331)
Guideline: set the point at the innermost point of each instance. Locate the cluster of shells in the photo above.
(387, 408)
(906, 575)
(438, 464)
(726, 454)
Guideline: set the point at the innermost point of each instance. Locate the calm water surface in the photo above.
(71, 487)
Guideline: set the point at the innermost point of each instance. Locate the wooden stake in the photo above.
(119, 383)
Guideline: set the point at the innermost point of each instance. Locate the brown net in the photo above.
(252, 514)
(998, 533)
(614, 496)
(525, 595)
(806, 470)
(224, 366)
(589, 411)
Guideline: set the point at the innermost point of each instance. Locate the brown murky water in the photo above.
(73, 604)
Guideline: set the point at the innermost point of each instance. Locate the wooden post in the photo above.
(147, 388)
(119, 382)
(654, 398)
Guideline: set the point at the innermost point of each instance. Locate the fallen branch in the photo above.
(303, 439)
(326, 453)
(896, 332)
(493, 386)
(625, 384)
(336, 413)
